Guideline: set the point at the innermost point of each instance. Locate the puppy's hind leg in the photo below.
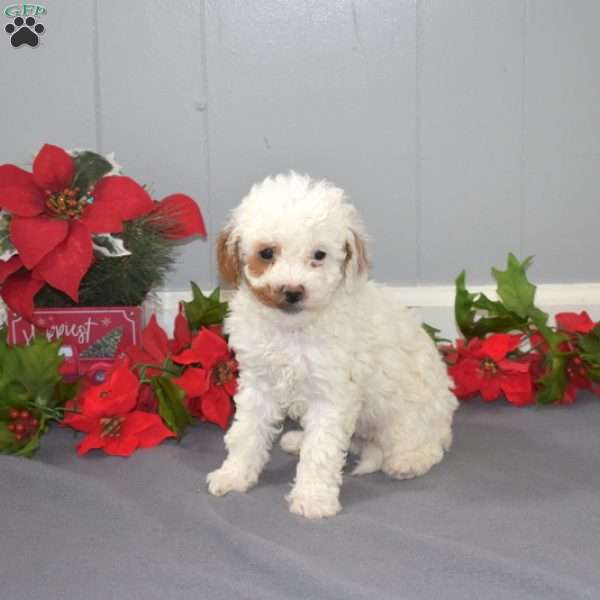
(407, 456)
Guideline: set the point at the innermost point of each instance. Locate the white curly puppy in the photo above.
(317, 342)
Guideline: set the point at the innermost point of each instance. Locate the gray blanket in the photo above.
(513, 512)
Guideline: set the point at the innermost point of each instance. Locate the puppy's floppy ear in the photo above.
(356, 264)
(228, 258)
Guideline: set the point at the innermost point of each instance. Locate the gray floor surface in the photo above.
(513, 512)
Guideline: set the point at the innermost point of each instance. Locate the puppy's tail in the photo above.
(371, 459)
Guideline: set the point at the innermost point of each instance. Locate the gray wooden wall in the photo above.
(463, 129)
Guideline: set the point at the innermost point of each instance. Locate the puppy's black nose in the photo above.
(293, 296)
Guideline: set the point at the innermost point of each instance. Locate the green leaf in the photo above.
(31, 447)
(38, 368)
(552, 337)
(486, 325)
(432, 332)
(590, 343)
(203, 311)
(514, 289)
(170, 404)
(4, 347)
(553, 384)
(464, 311)
(89, 168)
(7, 439)
(63, 392)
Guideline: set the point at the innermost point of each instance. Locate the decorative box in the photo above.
(91, 336)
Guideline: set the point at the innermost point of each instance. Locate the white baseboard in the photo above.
(434, 304)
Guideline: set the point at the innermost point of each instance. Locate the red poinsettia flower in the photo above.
(108, 417)
(483, 366)
(575, 323)
(52, 223)
(211, 385)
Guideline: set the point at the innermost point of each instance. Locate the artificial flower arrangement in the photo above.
(152, 392)
(509, 349)
(77, 233)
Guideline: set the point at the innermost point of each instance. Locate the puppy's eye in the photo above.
(266, 253)
(319, 255)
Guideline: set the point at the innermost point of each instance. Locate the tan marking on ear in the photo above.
(348, 250)
(268, 296)
(258, 265)
(228, 259)
(361, 253)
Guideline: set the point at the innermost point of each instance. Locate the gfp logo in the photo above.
(25, 10)
(24, 30)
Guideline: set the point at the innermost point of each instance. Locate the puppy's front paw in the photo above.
(228, 479)
(313, 506)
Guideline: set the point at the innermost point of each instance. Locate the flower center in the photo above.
(221, 373)
(489, 366)
(67, 204)
(111, 426)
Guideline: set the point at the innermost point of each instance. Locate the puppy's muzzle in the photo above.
(293, 296)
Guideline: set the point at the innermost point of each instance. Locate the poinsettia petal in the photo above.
(181, 215)
(217, 407)
(35, 237)
(115, 397)
(66, 265)
(100, 219)
(155, 340)
(575, 323)
(8, 267)
(148, 429)
(208, 349)
(514, 366)
(569, 395)
(146, 401)
(80, 422)
(122, 195)
(11, 175)
(467, 377)
(231, 386)
(182, 333)
(138, 356)
(518, 388)
(53, 168)
(121, 445)
(92, 441)
(18, 293)
(490, 388)
(187, 357)
(194, 406)
(24, 200)
(498, 345)
(195, 382)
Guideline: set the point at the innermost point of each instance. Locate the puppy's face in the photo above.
(293, 243)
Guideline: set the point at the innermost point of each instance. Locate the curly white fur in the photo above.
(353, 366)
